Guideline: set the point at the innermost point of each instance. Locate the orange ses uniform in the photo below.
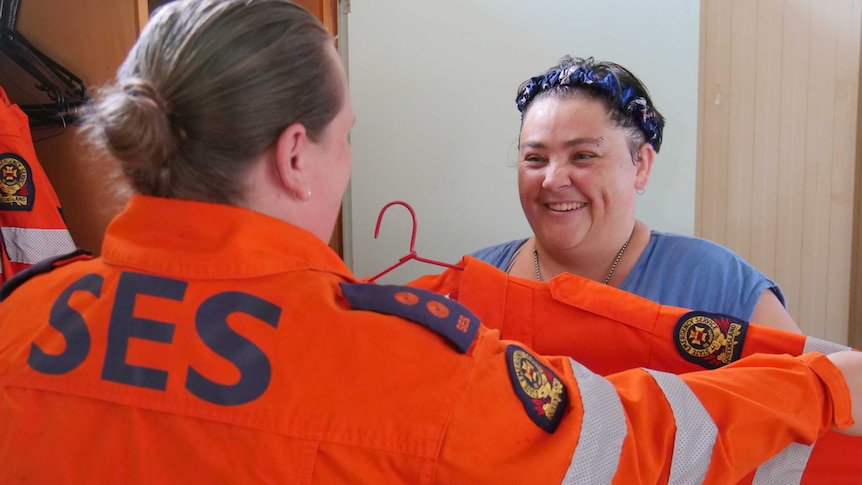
(212, 344)
(31, 224)
(611, 330)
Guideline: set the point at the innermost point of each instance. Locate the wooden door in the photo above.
(91, 38)
(325, 10)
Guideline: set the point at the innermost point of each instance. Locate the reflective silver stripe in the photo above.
(695, 431)
(785, 468)
(602, 431)
(29, 246)
(814, 344)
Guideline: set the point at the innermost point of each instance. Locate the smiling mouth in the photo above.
(566, 207)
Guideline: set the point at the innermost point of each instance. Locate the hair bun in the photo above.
(136, 124)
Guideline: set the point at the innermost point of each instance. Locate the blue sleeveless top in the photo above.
(682, 271)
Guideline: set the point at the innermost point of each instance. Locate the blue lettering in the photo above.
(124, 325)
(71, 324)
(254, 367)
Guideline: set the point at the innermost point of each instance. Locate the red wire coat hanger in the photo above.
(412, 254)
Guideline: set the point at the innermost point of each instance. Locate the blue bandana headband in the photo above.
(635, 107)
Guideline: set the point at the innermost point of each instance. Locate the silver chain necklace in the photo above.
(613, 267)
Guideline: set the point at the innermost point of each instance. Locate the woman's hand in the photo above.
(850, 364)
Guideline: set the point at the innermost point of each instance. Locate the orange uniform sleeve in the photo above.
(639, 426)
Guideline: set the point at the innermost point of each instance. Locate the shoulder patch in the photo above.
(448, 318)
(17, 191)
(710, 340)
(44, 266)
(542, 393)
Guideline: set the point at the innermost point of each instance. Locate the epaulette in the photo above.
(710, 340)
(43, 266)
(448, 318)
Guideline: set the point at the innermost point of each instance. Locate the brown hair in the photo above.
(208, 87)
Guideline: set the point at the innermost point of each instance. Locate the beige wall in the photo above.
(777, 131)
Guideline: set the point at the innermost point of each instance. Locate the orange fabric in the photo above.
(211, 344)
(27, 199)
(610, 330)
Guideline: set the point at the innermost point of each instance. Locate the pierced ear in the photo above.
(643, 163)
(290, 154)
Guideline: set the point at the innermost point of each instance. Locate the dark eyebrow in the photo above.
(570, 143)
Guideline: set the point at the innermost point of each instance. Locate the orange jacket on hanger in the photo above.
(31, 222)
(610, 330)
(212, 344)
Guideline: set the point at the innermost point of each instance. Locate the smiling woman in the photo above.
(589, 137)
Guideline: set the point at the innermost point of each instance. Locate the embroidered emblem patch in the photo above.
(540, 390)
(446, 317)
(710, 340)
(17, 191)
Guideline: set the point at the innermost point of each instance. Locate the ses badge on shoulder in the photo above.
(710, 340)
(17, 192)
(540, 390)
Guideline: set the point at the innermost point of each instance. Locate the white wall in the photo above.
(433, 86)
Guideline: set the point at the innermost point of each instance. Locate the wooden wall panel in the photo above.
(844, 140)
(766, 135)
(741, 89)
(714, 116)
(819, 156)
(777, 146)
(855, 330)
(788, 249)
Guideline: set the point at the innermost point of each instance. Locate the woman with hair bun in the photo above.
(218, 339)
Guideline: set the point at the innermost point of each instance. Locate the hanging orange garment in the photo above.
(31, 221)
(611, 330)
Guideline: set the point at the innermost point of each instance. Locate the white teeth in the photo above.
(566, 207)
